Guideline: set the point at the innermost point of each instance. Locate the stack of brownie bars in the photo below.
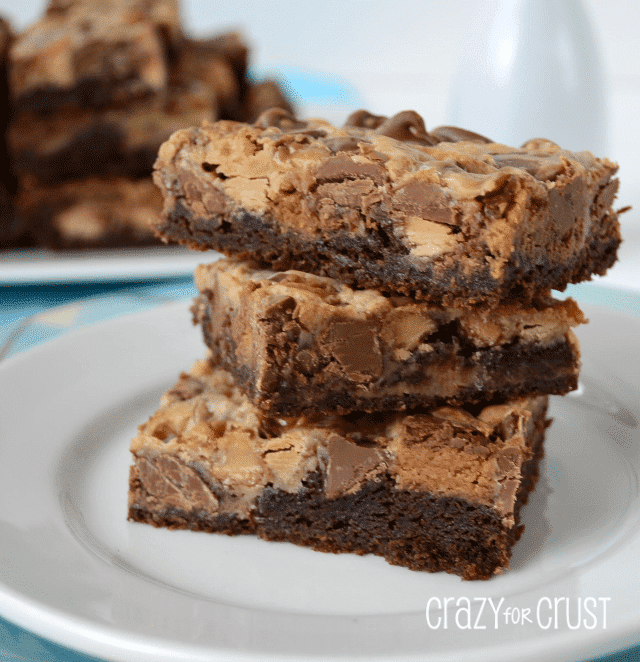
(383, 340)
(95, 87)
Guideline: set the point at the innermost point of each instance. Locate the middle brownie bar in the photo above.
(296, 342)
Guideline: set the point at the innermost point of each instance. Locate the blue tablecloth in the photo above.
(33, 314)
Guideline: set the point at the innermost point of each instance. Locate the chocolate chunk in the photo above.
(340, 167)
(279, 118)
(347, 465)
(567, 205)
(425, 200)
(176, 484)
(531, 165)
(343, 144)
(348, 193)
(354, 344)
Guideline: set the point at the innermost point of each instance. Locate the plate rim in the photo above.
(39, 266)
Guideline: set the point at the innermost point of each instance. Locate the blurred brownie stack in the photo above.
(10, 233)
(95, 87)
(382, 335)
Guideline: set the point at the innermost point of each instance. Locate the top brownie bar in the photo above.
(445, 215)
(94, 54)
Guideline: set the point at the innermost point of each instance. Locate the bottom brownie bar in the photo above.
(435, 491)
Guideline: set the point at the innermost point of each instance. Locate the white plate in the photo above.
(74, 570)
(39, 266)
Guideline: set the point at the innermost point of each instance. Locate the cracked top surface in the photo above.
(445, 192)
(208, 447)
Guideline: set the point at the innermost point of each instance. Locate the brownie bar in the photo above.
(80, 142)
(297, 343)
(433, 491)
(92, 213)
(12, 231)
(445, 216)
(94, 54)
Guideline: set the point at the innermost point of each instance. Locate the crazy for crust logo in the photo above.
(547, 613)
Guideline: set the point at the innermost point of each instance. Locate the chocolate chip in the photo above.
(342, 144)
(407, 126)
(354, 345)
(348, 464)
(365, 120)
(177, 484)
(426, 201)
(568, 203)
(280, 119)
(340, 167)
(453, 134)
(347, 193)
(530, 165)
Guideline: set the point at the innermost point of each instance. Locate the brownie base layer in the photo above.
(100, 150)
(414, 530)
(88, 92)
(378, 261)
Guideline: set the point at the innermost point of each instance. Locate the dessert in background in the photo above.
(12, 233)
(104, 212)
(95, 88)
